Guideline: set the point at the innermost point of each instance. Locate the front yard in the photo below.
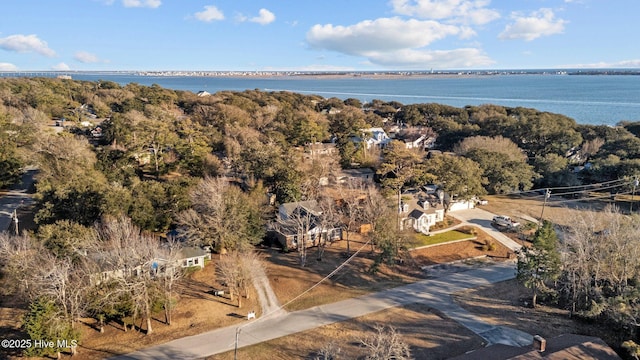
(422, 240)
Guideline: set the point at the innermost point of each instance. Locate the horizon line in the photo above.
(320, 71)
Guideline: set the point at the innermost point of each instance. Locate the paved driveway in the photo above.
(483, 218)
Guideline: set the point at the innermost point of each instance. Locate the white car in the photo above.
(503, 220)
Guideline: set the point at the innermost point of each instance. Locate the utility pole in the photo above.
(15, 219)
(633, 193)
(547, 195)
(235, 350)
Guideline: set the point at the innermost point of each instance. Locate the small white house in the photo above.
(193, 256)
(423, 217)
(375, 137)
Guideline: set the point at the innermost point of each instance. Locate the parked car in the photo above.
(503, 220)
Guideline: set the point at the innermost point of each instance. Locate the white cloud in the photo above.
(539, 23)
(468, 11)
(142, 3)
(86, 57)
(7, 67)
(439, 59)
(395, 42)
(380, 35)
(26, 43)
(61, 67)
(610, 65)
(209, 14)
(264, 17)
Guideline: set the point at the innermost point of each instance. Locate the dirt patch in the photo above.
(558, 210)
(504, 303)
(429, 334)
(12, 309)
(197, 311)
(289, 280)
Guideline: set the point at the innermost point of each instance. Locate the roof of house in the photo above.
(434, 209)
(292, 227)
(563, 347)
(377, 135)
(358, 172)
(416, 214)
(191, 252)
(410, 136)
(311, 206)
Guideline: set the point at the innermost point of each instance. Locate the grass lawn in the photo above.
(445, 237)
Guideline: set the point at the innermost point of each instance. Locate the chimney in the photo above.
(539, 343)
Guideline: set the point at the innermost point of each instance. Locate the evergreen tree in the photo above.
(540, 263)
(45, 322)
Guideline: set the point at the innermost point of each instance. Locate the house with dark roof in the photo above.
(420, 210)
(421, 218)
(299, 208)
(301, 224)
(353, 176)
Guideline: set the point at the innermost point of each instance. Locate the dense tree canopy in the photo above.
(149, 135)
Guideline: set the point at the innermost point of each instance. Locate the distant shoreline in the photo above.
(318, 75)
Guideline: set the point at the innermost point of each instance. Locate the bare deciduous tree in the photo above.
(386, 343)
(330, 351)
(132, 261)
(328, 221)
(374, 209)
(171, 273)
(220, 217)
(61, 281)
(601, 257)
(236, 269)
(352, 208)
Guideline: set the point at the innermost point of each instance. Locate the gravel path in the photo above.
(268, 300)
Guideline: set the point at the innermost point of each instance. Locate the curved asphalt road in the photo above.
(18, 195)
(432, 292)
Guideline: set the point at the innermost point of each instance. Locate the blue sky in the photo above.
(327, 35)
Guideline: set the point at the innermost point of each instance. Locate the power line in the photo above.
(592, 190)
(588, 199)
(264, 316)
(540, 193)
(326, 277)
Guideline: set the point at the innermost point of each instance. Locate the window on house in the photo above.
(195, 261)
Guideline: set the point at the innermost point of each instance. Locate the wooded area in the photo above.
(119, 165)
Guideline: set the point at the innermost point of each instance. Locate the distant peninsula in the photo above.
(325, 74)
